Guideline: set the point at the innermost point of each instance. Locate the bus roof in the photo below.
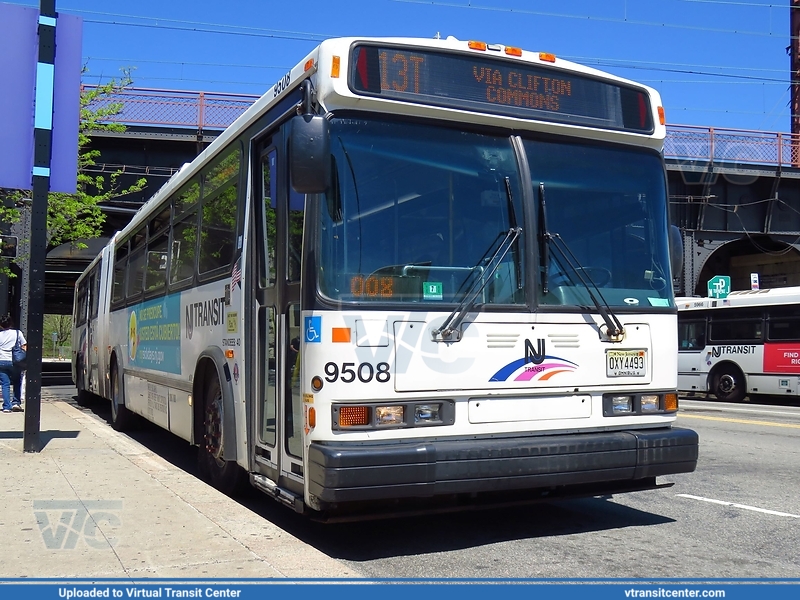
(767, 297)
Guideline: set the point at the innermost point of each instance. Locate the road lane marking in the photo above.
(743, 506)
(745, 421)
(704, 406)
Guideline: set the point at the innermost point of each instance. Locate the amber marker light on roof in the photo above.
(335, 66)
(477, 45)
(547, 57)
(309, 64)
(511, 51)
(662, 118)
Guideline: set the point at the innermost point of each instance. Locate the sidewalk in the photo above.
(96, 503)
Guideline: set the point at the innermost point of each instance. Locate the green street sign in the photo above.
(719, 286)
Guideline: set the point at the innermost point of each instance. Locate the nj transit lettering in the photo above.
(204, 314)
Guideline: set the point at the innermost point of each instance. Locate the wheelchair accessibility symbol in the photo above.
(313, 329)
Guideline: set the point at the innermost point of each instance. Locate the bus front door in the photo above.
(278, 445)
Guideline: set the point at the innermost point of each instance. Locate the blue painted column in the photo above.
(42, 142)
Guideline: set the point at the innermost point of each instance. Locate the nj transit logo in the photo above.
(536, 365)
(312, 328)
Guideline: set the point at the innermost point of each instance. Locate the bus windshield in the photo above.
(415, 213)
(609, 207)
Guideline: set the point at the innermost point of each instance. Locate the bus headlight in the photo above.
(389, 415)
(427, 413)
(650, 403)
(621, 405)
(419, 413)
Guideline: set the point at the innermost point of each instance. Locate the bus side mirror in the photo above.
(675, 250)
(309, 154)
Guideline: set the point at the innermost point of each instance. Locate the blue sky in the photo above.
(717, 63)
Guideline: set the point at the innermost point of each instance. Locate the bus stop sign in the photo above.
(719, 286)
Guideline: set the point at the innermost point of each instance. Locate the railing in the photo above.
(738, 146)
(214, 111)
(167, 108)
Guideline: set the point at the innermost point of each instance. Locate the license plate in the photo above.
(626, 363)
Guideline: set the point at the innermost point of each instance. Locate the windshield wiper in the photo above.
(449, 331)
(512, 221)
(615, 330)
(544, 240)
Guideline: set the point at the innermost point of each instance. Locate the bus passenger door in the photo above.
(291, 344)
(278, 445)
(92, 343)
(264, 365)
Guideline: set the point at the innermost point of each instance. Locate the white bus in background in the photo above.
(469, 242)
(747, 344)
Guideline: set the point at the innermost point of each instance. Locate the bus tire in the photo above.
(121, 418)
(225, 475)
(728, 384)
(84, 398)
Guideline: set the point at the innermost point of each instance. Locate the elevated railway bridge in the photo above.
(734, 194)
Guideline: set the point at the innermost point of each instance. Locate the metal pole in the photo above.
(42, 139)
(794, 78)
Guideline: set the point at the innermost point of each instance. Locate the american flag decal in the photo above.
(236, 275)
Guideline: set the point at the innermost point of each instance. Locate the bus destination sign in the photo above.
(498, 86)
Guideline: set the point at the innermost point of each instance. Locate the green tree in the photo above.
(61, 325)
(72, 217)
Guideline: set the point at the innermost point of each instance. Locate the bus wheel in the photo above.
(227, 476)
(121, 417)
(84, 397)
(728, 384)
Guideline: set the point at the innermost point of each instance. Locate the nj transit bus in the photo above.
(747, 344)
(469, 246)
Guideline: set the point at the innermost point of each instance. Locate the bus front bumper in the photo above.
(341, 472)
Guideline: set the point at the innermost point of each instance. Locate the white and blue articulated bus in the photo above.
(415, 274)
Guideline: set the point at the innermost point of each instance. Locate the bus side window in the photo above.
(219, 213)
(692, 335)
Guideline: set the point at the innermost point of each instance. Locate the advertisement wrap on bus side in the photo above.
(154, 340)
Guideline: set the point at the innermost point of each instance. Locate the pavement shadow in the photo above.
(44, 436)
(408, 536)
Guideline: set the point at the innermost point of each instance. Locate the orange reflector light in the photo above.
(309, 64)
(670, 402)
(477, 45)
(335, 64)
(353, 415)
(340, 334)
(316, 383)
(662, 118)
(547, 57)
(228, 353)
(511, 51)
(312, 417)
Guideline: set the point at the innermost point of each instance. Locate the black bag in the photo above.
(19, 357)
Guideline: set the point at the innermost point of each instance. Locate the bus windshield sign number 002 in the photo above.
(626, 363)
(512, 88)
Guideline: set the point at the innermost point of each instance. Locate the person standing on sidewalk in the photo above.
(10, 377)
